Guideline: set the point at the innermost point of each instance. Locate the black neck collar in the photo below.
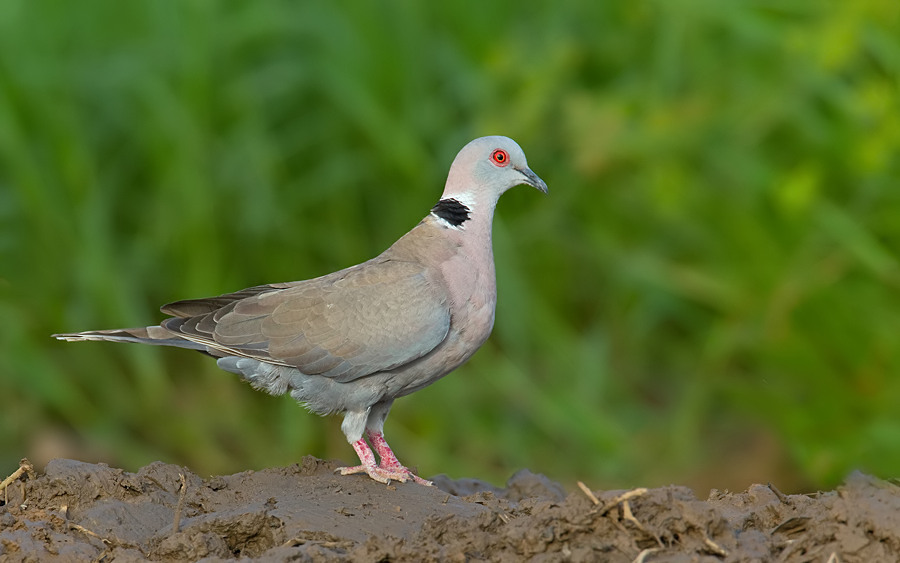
(452, 211)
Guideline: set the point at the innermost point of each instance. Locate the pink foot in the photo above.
(389, 461)
(389, 469)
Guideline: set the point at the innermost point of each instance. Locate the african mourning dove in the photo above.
(353, 341)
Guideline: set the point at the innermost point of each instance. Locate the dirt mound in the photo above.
(81, 511)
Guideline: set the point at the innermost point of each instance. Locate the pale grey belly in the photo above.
(324, 395)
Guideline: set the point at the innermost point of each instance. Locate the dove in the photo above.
(353, 341)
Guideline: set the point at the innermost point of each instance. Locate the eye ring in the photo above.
(500, 157)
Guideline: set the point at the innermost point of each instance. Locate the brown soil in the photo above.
(78, 511)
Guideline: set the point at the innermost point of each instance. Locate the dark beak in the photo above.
(532, 179)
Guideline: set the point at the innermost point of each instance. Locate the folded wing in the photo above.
(345, 325)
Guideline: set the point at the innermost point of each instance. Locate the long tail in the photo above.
(155, 335)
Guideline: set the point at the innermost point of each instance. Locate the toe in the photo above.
(377, 473)
(421, 481)
(397, 469)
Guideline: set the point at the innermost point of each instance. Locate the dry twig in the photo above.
(176, 523)
(627, 495)
(588, 492)
(83, 530)
(781, 496)
(642, 556)
(24, 467)
(716, 548)
(627, 514)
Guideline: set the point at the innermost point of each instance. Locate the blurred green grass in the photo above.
(708, 296)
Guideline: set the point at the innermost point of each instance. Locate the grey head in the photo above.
(485, 168)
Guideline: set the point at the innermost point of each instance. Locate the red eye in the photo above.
(500, 157)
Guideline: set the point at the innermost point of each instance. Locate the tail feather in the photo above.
(154, 335)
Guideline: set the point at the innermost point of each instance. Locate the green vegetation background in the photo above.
(710, 294)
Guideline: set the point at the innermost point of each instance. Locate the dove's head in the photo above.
(487, 167)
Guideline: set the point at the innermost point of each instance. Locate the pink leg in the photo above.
(381, 473)
(366, 457)
(389, 461)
